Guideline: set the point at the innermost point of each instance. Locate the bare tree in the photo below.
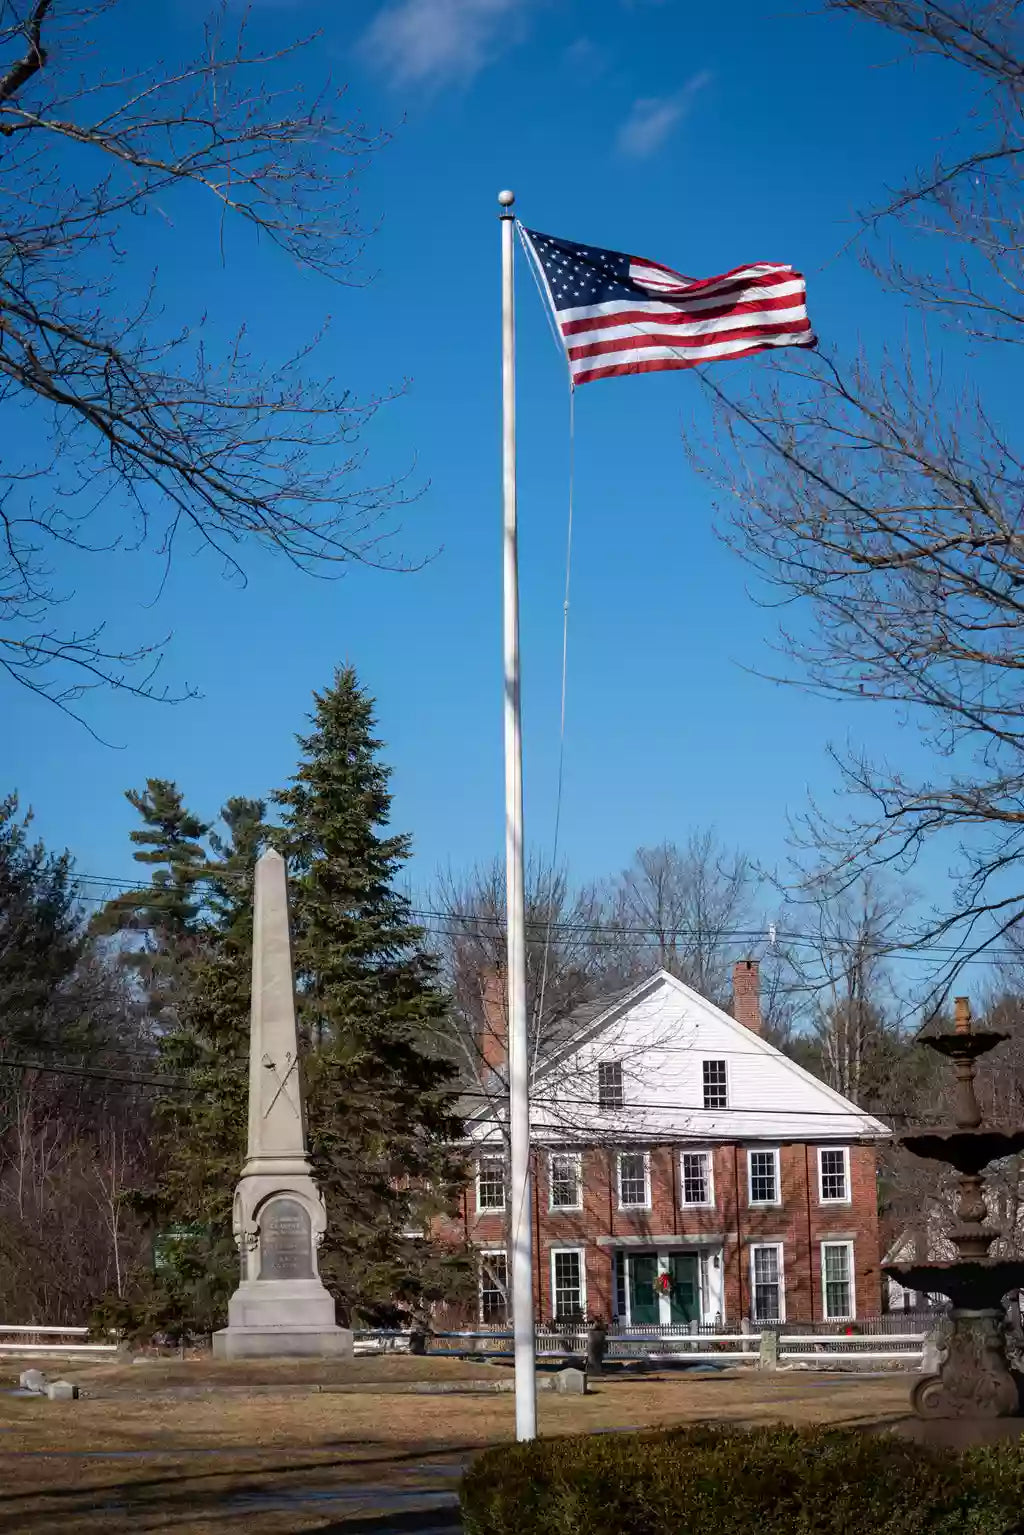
(841, 965)
(152, 436)
(887, 501)
(681, 908)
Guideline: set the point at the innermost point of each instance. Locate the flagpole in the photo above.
(518, 1047)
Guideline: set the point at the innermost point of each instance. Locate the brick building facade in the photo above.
(699, 1175)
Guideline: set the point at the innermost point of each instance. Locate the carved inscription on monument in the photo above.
(285, 1241)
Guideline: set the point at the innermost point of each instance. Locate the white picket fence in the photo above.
(22, 1340)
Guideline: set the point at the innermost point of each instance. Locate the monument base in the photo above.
(283, 1343)
(287, 1318)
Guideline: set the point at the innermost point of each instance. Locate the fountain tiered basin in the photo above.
(975, 1379)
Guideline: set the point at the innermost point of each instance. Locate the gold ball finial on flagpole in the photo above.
(506, 199)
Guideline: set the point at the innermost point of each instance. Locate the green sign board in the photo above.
(164, 1241)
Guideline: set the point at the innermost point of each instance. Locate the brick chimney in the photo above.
(746, 994)
(494, 1004)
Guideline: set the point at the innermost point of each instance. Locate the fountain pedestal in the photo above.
(975, 1380)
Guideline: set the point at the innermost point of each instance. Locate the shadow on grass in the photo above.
(117, 1505)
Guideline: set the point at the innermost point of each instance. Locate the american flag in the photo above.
(620, 314)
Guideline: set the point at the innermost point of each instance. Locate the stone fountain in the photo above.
(975, 1380)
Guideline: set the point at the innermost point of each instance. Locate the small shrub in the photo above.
(723, 1481)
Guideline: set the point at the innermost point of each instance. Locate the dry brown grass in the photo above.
(221, 1465)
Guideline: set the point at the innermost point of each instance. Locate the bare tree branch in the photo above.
(155, 436)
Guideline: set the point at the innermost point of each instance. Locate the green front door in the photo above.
(643, 1295)
(685, 1292)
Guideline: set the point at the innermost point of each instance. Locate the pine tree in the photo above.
(166, 911)
(200, 1125)
(41, 931)
(381, 1109)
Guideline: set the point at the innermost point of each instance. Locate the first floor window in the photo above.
(567, 1283)
(832, 1174)
(837, 1280)
(766, 1283)
(633, 1180)
(490, 1185)
(696, 1178)
(564, 1167)
(764, 1177)
(493, 1287)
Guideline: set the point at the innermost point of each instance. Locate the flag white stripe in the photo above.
(750, 318)
(657, 307)
(684, 353)
(655, 277)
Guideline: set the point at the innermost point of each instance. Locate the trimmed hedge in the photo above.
(722, 1481)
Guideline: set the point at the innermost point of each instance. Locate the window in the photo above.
(564, 1171)
(764, 1177)
(633, 1191)
(837, 1280)
(716, 1089)
(834, 1174)
(493, 1287)
(568, 1284)
(490, 1184)
(766, 1293)
(609, 1085)
(695, 1178)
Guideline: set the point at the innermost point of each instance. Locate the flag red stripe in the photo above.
(739, 276)
(585, 375)
(680, 316)
(673, 338)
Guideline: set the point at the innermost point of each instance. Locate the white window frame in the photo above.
(851, 1315)
(611, 1108)
(485, 1253)
(492, 1209)
(581, 1253)
(577, 1158)
(647, 1179)
(720, 1108)
(694, 1204)
(763, 1204)
(847, 1198)
(780, 1252)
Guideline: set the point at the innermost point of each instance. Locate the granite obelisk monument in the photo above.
(280, 1307)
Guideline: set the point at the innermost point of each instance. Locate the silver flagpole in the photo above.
(518, 1047)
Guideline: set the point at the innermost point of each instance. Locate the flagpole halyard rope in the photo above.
(546, 305)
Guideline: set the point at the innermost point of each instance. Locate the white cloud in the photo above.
(652, 118)
(435, 42)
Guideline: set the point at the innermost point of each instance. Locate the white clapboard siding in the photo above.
(661, 1033)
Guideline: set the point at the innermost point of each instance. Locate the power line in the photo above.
(457, 924)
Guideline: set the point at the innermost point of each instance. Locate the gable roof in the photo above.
(770, 1097)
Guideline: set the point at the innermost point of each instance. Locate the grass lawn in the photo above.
(210, 1464)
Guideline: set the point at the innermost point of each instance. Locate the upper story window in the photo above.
(834, 1174)
(490, 1184)
(634, 1182)
(763, 1172)
(695, 1184)
(564, 1172)
(609, 1085)
(716, 1087)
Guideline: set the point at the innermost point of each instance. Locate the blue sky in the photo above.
(701, 137)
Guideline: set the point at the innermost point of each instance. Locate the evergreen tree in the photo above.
(41, 930)
(165, 913)
(201, 1126)
(382, 1111)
